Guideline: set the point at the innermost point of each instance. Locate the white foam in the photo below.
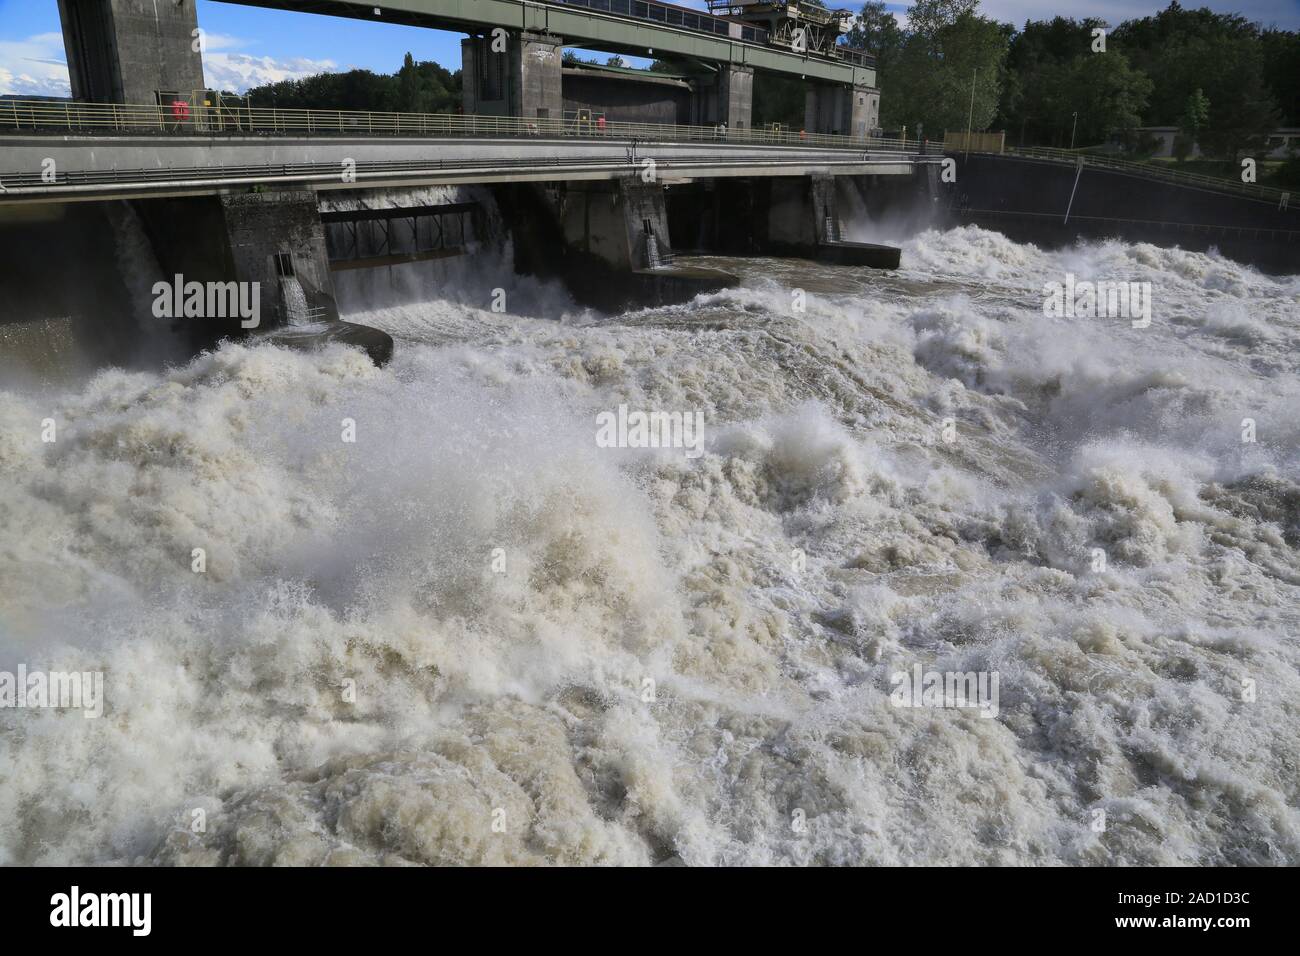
(520, 697)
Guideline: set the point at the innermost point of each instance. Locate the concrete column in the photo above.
(841, 110)
(724, 97)
(277, 239)
(736, 95)
(608, 241)
(274, 239)
(128, 51)
(803, 220)
(623, 223)
(513, 74)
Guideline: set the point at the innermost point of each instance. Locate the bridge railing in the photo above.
(197, 117)
(1148, 170)
(365, 172)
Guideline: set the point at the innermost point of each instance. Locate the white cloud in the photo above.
(221, 41)
(34, 67)
(238, 71)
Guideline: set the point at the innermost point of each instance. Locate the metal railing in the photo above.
(1093, 160)
(675, 16)
(1165, 225)
(195, 117)
(204, 177)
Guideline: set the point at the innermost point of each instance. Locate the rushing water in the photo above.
(362, 676)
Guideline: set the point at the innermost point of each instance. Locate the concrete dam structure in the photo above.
(1055, 201)
(600, 175)
(583, 163)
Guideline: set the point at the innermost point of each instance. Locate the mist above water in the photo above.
(516, 692)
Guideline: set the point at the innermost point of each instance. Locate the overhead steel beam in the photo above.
(582, 27)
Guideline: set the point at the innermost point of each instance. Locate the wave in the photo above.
(471, 635)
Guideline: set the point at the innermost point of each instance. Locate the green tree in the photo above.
(876, 30)
(411, 96)
(927, 18)
(1034, 107)
(947, 76)
(928, 71)
(1195, 115)
(1221, 54)
(1105, 92)
(417, 87)
(1280, 52)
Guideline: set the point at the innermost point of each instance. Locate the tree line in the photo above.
(1223, 81)
(423, 87)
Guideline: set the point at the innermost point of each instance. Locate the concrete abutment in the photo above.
(609, 241)
(515, 73)
(795, 217)
(130, 51)
(841, 110)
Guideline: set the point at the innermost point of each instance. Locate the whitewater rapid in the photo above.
(474, 636)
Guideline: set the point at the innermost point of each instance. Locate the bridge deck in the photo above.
(100, 167)
(104, 151)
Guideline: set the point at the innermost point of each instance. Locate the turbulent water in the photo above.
(474, 636)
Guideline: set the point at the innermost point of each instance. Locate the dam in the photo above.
(597, 476)
(232, 193)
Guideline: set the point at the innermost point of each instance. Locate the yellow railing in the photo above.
(197, 118)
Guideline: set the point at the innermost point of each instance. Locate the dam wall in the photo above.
(791, 216)
(1027, 200)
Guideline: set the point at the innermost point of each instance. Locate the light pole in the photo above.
(1073, 128)
(970, 119)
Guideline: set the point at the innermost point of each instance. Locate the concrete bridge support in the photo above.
(277, 239)
(797, 217)
(274, 239)
(130, 51)
(842, 110)
(513, 74)
(726, 96)
(623, 223)
(608, 241)
(803, 220)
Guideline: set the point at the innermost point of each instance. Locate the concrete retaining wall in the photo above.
(626, 101)
(1027, 200)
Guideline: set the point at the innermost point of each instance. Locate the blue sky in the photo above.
(248, 46)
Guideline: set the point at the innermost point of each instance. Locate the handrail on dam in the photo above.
(69, 183)
(1093, 160)
(200, 119)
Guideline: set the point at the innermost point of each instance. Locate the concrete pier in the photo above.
(273, 239)
(131, 51)
(842, 110)
(608, 242)
(793, 217)
(723, 96)
(518, 73)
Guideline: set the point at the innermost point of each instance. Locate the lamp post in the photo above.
(1073, 128)
(970, 119)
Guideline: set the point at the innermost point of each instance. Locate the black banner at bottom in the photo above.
(333, 906)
